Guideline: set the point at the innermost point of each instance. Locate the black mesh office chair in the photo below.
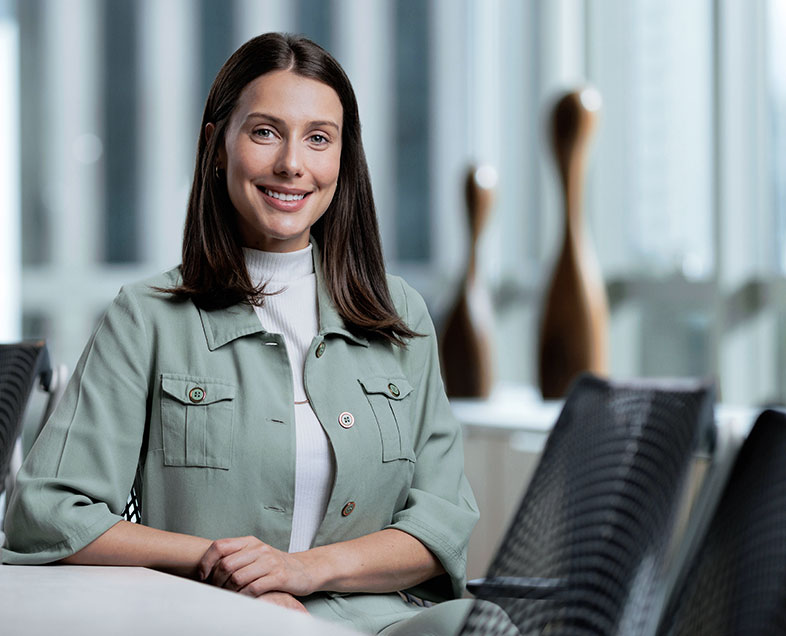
(21, 364)
(736, 584)
(133, 509)
(585, 552)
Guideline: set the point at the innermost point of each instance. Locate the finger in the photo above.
(228, 566)
(218, 550)
(237, 570)
(258, 585)
(255, 579)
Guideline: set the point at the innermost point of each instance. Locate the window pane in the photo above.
(216, 26)
(777, 111)
(121, 237)
(652, 164)
(313, 19)
(413, 233)
(35, 220)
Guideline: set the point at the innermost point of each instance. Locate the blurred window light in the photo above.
(10, 254)
(776, 24)
(88, 148)
(652, 175)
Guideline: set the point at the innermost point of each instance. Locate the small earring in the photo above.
(216, 173)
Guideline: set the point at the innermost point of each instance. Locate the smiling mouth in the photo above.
(281, 196)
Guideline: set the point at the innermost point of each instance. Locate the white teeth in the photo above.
(283, 197)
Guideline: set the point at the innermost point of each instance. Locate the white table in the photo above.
(75, 600)
(516, 411)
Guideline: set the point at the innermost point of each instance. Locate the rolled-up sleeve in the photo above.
(74, 484)
(440, 510)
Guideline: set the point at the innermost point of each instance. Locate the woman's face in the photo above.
(281, 154)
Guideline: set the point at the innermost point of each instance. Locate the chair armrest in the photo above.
(517, 587)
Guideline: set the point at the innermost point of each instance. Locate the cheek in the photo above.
(246, 161)
(326, 171)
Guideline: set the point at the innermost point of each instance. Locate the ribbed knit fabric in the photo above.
(293, 314)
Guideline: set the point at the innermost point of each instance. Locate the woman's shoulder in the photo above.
(407, 300)
(151, 292)
(162, 280)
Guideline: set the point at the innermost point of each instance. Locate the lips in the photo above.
(283, 196)
(291, 201)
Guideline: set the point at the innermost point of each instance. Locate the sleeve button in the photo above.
(348, 508)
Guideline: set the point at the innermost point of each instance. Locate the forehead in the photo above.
(291, 97)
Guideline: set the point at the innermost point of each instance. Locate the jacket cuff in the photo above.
(42, 553)
(452, 558)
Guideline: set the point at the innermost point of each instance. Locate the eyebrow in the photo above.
(320, 123)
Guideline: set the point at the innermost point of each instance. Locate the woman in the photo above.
(277, 397)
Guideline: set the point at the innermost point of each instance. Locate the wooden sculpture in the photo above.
(574, 327)
(465, 344)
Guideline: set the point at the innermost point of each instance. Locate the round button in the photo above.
(197, 394)
(346, 419)
(347, 509)
(320, 349)
(393, 390)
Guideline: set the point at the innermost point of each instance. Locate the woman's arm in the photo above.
(383, 561)
(127, 543)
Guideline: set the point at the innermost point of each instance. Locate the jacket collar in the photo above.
(224, 325)
(330, 322)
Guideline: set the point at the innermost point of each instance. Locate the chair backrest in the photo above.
(133, 510)
(736, 583)
(21, 364)
(589, 539)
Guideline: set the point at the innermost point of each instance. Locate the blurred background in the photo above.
(685, 199)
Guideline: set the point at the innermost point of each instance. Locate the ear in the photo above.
(210, 128)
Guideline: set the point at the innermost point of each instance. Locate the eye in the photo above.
(263, 133)
(318, 139)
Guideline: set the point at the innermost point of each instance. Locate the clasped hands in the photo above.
(252, 567)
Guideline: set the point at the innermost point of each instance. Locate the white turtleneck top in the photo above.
(293, 314)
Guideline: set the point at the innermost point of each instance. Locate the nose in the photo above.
(289, 161)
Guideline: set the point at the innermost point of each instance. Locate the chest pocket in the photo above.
(388, 400)
(196, 419)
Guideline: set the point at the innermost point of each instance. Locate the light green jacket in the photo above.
(203, 402)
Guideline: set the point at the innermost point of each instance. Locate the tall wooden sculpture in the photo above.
(574, 327)
(466, 344)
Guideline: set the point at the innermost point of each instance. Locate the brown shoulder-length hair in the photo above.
(214, 271)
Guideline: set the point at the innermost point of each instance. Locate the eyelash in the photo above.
(317, 138)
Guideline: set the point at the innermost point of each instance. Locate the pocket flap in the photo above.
(194, 390)
(394, 388)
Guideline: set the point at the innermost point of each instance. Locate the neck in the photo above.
(278, 267)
